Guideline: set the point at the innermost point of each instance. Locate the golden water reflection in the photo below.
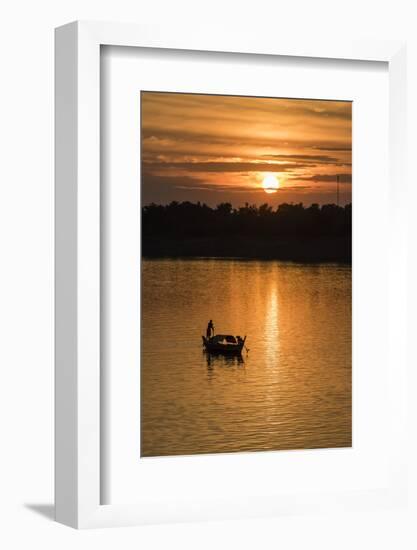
(292, 390)
(272, 324)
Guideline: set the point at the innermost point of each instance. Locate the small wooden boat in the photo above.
(224, 343)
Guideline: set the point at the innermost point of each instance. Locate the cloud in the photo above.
(336, 149)
(196, 146)
(242, 189)
(343, 178)
(205, 167)
(158, 182)
(306, 158)
(233, 108)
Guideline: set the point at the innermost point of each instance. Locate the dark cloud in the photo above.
(224, 167)
(335, 149)
(165, 189)
(343, 178)
(157, 183)
(324, 159)
(241, 189)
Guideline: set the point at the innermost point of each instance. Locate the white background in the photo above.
(26, 299)
(224, 477)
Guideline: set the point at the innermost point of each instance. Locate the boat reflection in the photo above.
(223, 360)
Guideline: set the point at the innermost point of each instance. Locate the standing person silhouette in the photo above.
(210, 329)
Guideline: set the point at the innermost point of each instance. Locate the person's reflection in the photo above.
(218, 361)
(210, 366)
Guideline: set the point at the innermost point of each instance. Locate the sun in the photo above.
(270, 183)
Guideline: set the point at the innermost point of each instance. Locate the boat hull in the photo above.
(226, 349)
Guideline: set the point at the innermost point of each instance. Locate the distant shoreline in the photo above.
(329, 250)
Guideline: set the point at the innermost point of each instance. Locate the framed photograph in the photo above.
(245, 219)
(230, 275)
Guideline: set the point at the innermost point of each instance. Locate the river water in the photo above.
(291, 390)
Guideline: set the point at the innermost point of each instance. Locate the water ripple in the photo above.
(291, 391)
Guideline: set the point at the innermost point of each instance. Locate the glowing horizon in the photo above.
(214, 148)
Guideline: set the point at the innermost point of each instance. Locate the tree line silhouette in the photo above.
(290, 232)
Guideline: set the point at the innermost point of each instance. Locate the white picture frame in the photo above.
(78, 406)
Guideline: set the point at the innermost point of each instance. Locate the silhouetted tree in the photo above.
(288, 223)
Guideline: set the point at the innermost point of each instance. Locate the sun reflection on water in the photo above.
(272, 326)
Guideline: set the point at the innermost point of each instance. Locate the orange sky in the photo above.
(219, 149)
